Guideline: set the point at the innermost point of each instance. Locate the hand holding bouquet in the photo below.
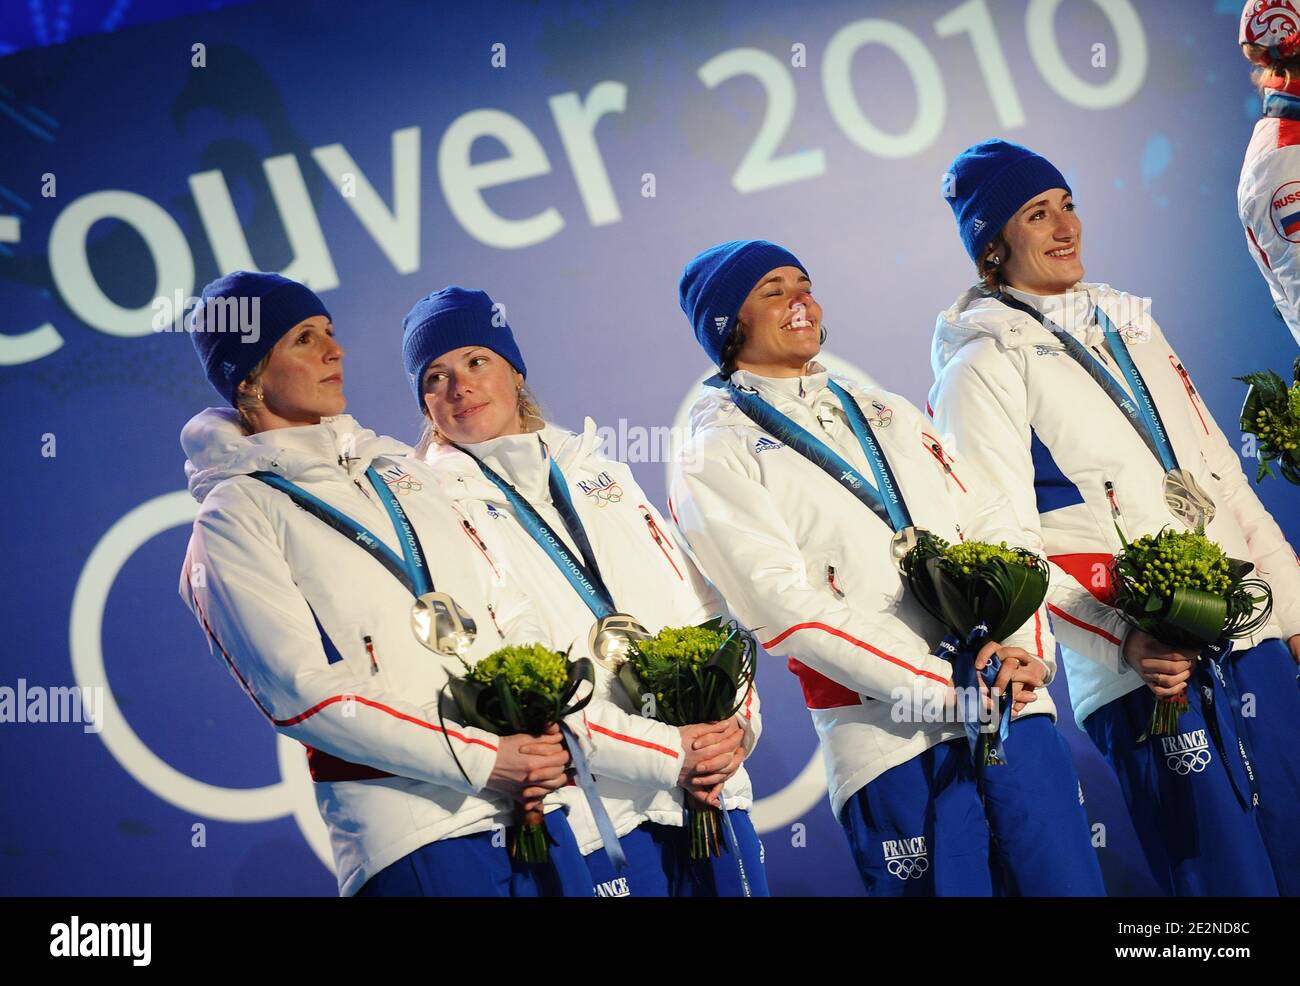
(522, 689)
(1182, 589)
(688, 675)
(1272, 414)
(979, 591)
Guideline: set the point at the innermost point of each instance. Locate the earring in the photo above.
(260, 395)
(995, 260)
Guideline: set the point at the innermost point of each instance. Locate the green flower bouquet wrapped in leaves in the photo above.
(1182, 589)
(979, 591)
(1272, 414)
(522, 689)
(973, 582)
(690, 675)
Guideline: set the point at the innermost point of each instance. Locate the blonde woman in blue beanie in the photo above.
(797, 490)
(1085, 415)
(317, 545)
(580, 532)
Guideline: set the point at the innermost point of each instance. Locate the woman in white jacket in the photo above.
(810, 558)
(321, 637)
(559, 510)
(1081, 409)
(1268, 195)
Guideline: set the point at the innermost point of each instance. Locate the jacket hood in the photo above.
(974, 315)
(216, 449)
(712, 405)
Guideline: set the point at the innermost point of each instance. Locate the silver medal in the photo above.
(611, 639)
(441, 625)
(1187, 499)
(903, 542)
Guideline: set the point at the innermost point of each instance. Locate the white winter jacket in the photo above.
(649, 576)
(1011, 396)
(1268, 203)
(796, 554)
(260, 573)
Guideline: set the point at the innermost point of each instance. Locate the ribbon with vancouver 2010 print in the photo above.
(977, 591)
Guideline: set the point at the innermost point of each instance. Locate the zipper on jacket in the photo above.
(830, 580)
(472, 534)
(1115, 515)
(935, 449)
(658, 538)
(1191, 390)
(1111, 499)
(370, 652)
(493, 613)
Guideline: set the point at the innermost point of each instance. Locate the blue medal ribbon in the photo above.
(1141, 412)
(586, 580)
(885, 500)
(962, 654)
(583, 575)
(587, 784)
(410, 568)
(1220, 692)
(735, 844)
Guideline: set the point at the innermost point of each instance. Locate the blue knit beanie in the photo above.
(989, 182)
(449, 319)
(716, 282)
(240, 318)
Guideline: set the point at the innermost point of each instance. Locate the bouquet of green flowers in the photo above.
(972, 583)
(522, 689)
(1182, 589)
(693, 674)
(1272, 414)
(978, 591)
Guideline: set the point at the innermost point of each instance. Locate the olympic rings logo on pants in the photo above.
(908, 867)
(1189, 762)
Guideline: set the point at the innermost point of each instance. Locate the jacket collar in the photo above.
(217, 448)
(521, 460)
(804, 388)
(1072, 310)
(714, 406)
(518, 459)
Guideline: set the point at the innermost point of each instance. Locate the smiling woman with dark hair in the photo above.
(1079, 408)
(798, 491)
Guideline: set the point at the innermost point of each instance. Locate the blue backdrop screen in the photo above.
(568, 158)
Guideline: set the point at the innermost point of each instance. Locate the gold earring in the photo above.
(260, 395)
